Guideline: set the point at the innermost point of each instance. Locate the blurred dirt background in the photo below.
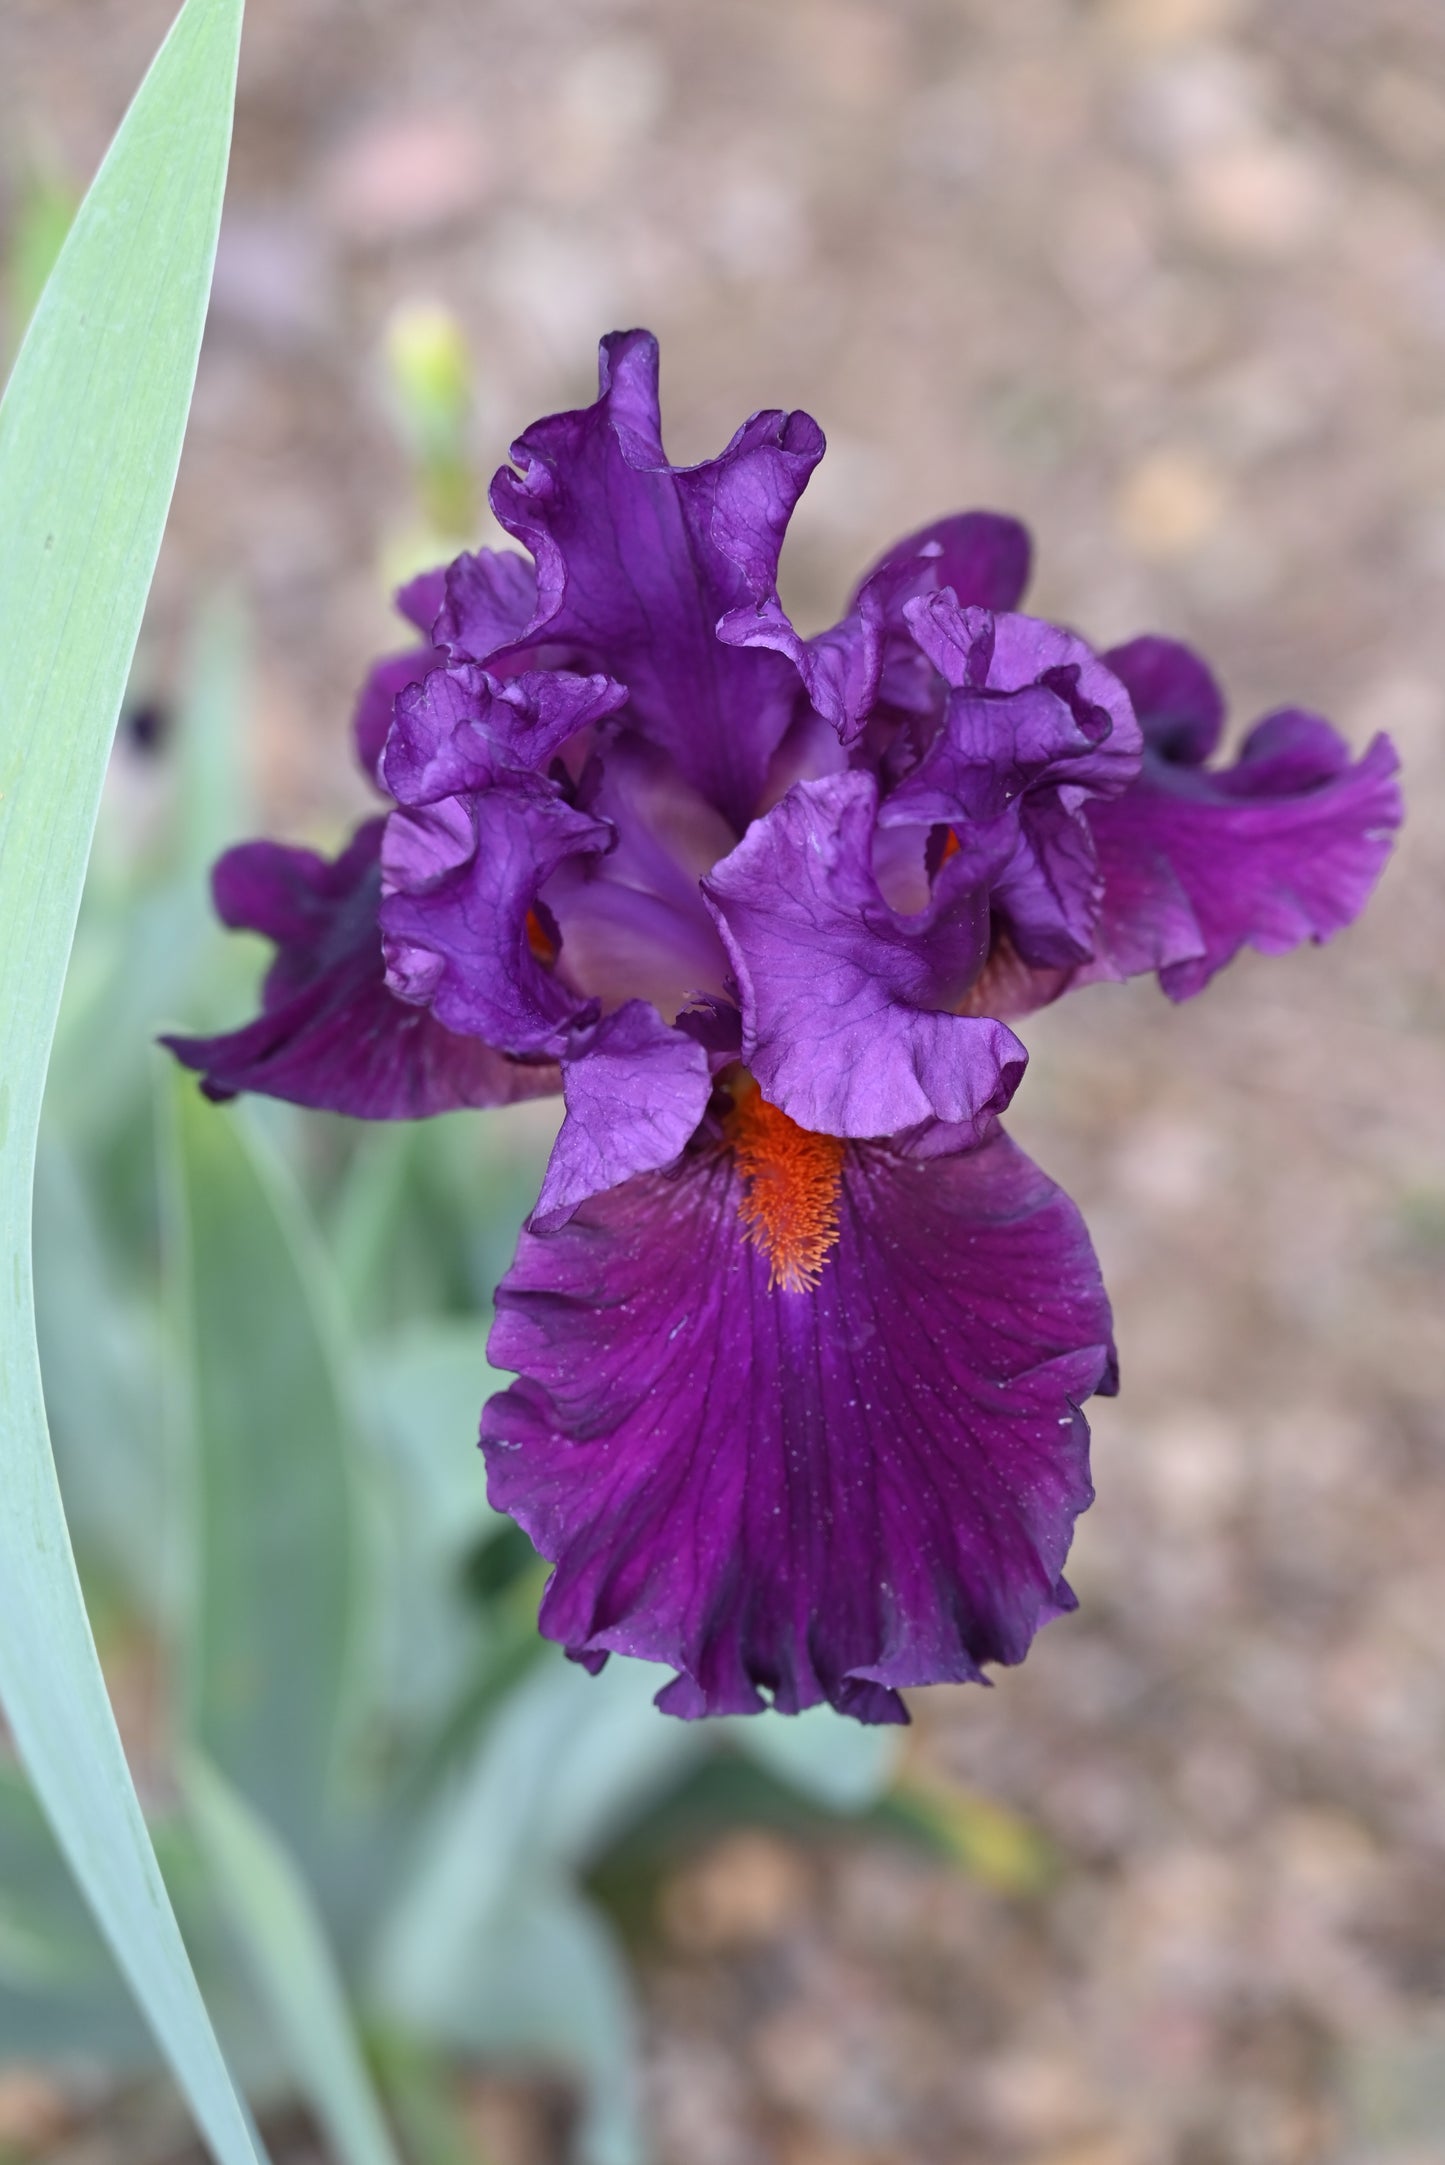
(1168, 278)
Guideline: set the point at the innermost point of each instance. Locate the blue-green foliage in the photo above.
(264, 1338)
(91, 423)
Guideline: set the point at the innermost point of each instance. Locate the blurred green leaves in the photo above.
(263, 1342)
(281, 1931)
(487, 1946)
(90, 437)
(58, 1984)
(423, 1791)
(270, 1467)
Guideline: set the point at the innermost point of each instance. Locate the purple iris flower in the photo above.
(801, 1337)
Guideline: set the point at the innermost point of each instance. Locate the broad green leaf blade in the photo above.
(99, 1357)
(90, 438)
(42, 219)
(271, 1465)
(276, 1921)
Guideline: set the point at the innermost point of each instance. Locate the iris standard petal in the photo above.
(637, 560)
(330, 1035)
(420, 599)
(840, 668)
(634, 922)
(823, 1494)
(842, 997)
(1031, 705)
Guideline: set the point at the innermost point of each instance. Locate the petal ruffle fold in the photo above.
(371, 722)
(461, 728)
(636, 560)
(418, 601)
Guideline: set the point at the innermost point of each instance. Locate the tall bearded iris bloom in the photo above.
(801, 1337)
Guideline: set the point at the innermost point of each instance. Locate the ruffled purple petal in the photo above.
(637, 560)
(717, 1026)
(418, 601)
(488, 599)
(841, 995)
(1005, 776)
(1034, 727)
(1284, 846)
(1176, 697)
(461, 880)
(840, 668)
(330, 1034)
(371, 723)
(982, 556)
(807, 1496)
(635, 1092)
(461, 728)
(1032, 705)
(1046, 900)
